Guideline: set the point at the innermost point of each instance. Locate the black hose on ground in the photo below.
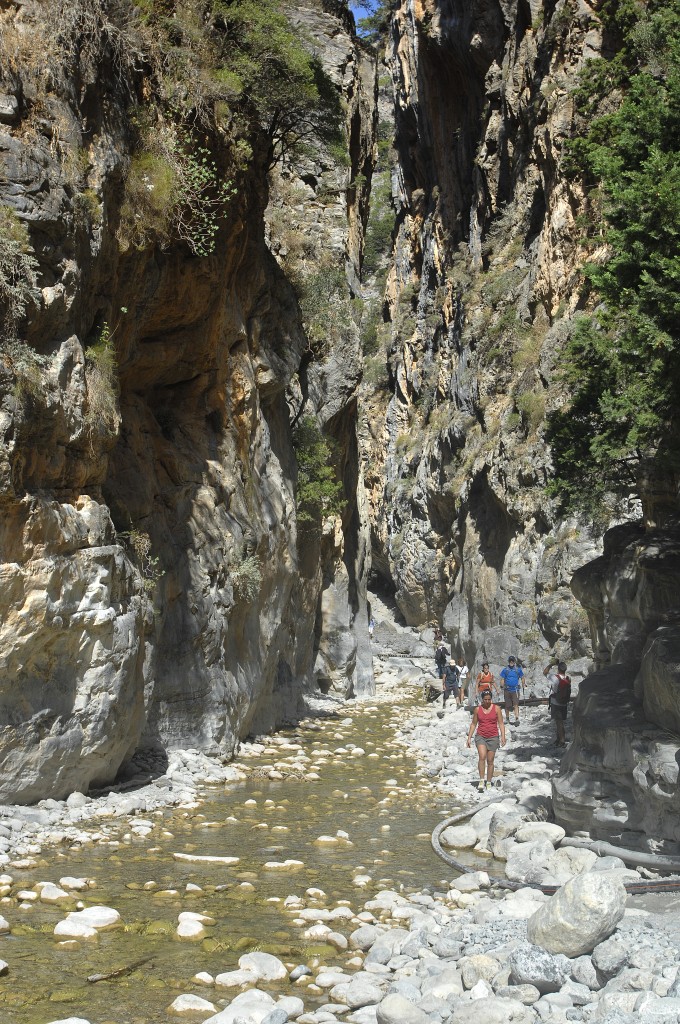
(634, 888)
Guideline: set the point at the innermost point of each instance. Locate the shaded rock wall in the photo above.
(482, 287)
(619, 778)
(315, 224)
(214, 630)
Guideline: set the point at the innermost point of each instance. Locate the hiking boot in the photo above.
(488, 784)
(517, 721)
(480, 787)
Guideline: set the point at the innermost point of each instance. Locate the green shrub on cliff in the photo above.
(621, 369)
(173, 191)
(319, 492)
(18, 273)
(227, 78)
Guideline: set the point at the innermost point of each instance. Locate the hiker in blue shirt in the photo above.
(512, 677)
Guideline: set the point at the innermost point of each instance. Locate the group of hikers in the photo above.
(488, 723)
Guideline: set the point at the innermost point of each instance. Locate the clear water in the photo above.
(388, 825)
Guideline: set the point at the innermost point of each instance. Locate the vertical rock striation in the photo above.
(480, 294)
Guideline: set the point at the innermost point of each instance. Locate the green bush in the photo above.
(173, 191)
(319, 492)
(327, 311)
(18, 273)
(378, 239)
(531, 405)
(376, 373)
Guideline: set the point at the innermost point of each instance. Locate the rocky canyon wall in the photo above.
(480, 292)
(619, 778)
(156, 586)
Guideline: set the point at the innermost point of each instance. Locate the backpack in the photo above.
(563, 695)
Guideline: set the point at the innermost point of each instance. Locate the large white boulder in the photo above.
(101, 918)
(189, 1005)
(492, 1010)
(459, 837)
(580, 915)
(263, 966)
(532, 830)
(567, 862)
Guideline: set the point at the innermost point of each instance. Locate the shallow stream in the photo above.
(374, 797)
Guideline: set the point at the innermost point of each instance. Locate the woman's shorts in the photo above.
(510, 697)
(558, 711)
(490, 742)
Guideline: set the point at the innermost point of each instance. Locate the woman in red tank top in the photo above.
(488, 721)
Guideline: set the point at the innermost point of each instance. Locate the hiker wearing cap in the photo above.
(512, 677)
(560, 694)
(488, 721)
(440, 658)
(485, 681)
(451, 682)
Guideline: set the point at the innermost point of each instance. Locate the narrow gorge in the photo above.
(294, 315)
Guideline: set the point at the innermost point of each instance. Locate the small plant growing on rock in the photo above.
(247, 579)
(531, 405)
(18, 273)
(173, 191)
(101, 375)
(139, 543)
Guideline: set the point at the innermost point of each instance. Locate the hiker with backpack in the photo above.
(450, 682)
(560, 695)
(440, 658)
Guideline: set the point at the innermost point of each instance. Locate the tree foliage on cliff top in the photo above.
(244, 65)
(240, 65)
(621, 366)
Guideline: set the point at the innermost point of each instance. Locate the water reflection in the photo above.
(363, 826)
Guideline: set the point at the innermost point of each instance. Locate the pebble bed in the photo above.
(450, 952)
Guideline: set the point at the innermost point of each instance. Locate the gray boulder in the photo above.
(492, 1010)
(580, 915)
(527, 861)
(530, 965)
(611, 956)
(363, 938)
(527, 994)
(396, 1009)
(583, 973)
(652, 1010)
(387, 945)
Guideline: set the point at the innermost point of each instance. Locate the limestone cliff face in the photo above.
(154, 588)
(482, 285)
